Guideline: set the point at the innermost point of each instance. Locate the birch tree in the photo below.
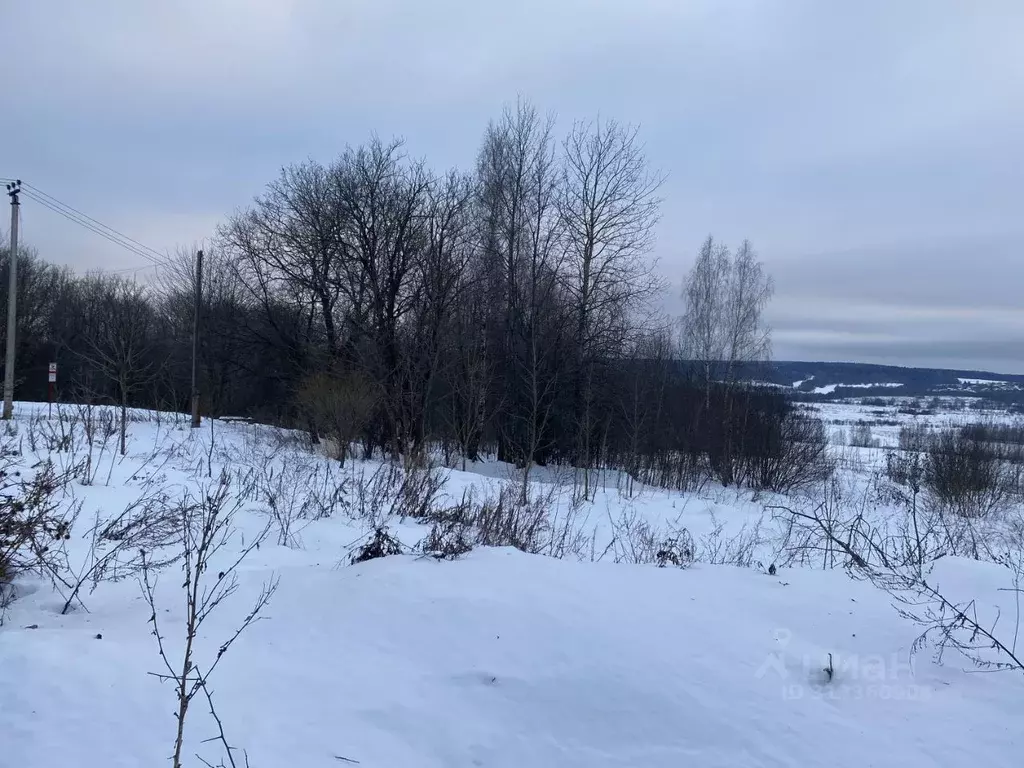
(609, 206)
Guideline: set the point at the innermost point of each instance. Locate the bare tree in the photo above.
(723, 325)
(723, 333)
(469, 374)
(227, 330)
(42, 289)
(292, 236)
(121, 341)
(608, 205)
(443, 281)
(206, 526)
(521, 233)
(278, 325)
(647, 363)
(703, 324)
(382, 199)
(749, 289)
(496, 311)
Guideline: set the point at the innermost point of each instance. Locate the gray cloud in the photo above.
(870, 150)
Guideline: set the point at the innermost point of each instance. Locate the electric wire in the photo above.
(157, 256)
(98, 228)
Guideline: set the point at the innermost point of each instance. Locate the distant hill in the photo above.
(833, 381)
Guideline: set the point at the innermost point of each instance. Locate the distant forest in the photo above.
(855, 380)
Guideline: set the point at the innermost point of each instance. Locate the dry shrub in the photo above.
(340, 405)
(449, 538)
(739, 549)
(530, 523)
(33, 523)
(144, 534)
(513, 520)
(677, 551)
(381, 544)
(396, 491)
(296, 492)
(507, 519)
(637, 542)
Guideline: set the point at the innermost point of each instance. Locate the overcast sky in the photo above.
(873, 151)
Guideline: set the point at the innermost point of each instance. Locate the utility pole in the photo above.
(13, 190)
(196, 420)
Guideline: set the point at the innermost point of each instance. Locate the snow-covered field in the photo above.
(498, 658)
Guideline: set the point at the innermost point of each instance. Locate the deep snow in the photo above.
(498, 659)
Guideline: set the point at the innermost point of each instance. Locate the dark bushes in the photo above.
(966, 475)
(970, 471)
(914, 437)
(795, 456)
(861, 437)
(734, 434)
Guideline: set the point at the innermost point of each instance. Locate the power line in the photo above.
(95, 226)
(100, 229)
(112, 235)
(131, 270)
(38, 192)
(86, 225)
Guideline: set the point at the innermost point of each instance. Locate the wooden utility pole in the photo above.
(13, 190)
(196, 420)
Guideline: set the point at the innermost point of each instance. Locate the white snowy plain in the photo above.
(497, 659)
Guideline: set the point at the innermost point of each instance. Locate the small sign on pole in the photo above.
(51, 377)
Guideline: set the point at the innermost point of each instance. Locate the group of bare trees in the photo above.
(482, 307)
(104, 330)
(511, 308)
(510, 311)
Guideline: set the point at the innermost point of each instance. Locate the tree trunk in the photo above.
(124, 421)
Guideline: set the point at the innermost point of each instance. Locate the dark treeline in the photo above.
(507, 311)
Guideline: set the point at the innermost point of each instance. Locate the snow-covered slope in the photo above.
(498, 659)
(506, 659)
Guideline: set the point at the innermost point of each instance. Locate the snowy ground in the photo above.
(497, 659)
